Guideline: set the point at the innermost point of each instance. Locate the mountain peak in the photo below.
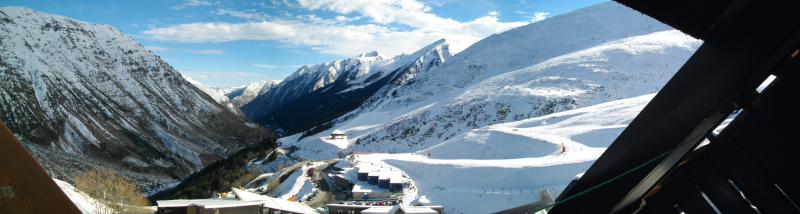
(15, 8)
(439, 42)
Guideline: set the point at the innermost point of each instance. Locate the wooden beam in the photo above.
(24, 185)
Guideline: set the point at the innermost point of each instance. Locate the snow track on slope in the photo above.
(457, 177)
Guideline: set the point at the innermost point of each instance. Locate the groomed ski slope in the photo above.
(508, 165)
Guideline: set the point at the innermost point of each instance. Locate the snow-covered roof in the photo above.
(367, 188)
(381, 210)
(418, 210)
(396, 180)
(367, 168)
(384, 175)
(233, 204)
(338, 132)
(207, 203)
(273, 203)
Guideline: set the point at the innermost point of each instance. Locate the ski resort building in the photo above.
(396, 209)
(273, 205)
(209, 206)
(338, 135)
(396, 184)
(246, 203)
(371, 192)
(384, 177)
(417, 210)
(381, 210)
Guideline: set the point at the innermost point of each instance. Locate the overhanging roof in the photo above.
(745, 41)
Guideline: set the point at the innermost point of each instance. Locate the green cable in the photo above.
(604, 182)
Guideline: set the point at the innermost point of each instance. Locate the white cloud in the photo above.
(437, 3)
(246, 15)
(539, 16)
(205, 52)
(272, 4)
(494, 13)
(333, 36)
(407, 12)
(346, 19)
(192, 3)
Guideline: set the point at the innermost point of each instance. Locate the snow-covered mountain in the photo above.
(219, 96)
(593, 55)
(315, 94)
(82, 95)
(242, 95)
(515, 114)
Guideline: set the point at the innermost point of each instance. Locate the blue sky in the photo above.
(229, 43)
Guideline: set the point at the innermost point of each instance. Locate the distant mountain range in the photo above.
(241, 96)
(316, 94)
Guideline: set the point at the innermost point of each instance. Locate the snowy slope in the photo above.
(315, 94)
(81, 96)
(242, 95)
(84, 202)
(508, 165)
(496, 116)
(614, 70)
(217, 95)
(577, 59)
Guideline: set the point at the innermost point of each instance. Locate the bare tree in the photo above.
(111, 190)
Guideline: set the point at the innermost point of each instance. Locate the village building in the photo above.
(364, 169)
(372, 177)
(385, 177)
(209, 206)
(273, 205)
(369, 192)
(396, 184)
(381, 210)
(396, 209)
(338, 135)
(245, 203)
(417, 210)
